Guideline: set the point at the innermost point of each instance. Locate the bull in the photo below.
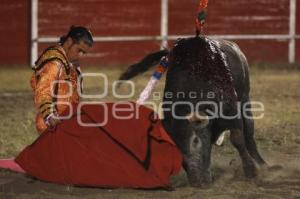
(206, 93)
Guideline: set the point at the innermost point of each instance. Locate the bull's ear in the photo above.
(200, 118)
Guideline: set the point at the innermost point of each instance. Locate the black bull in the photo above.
(204, 77)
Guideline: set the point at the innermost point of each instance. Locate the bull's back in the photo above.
(238, 65)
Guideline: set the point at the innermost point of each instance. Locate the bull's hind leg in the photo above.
(249, 134)
(238, 140)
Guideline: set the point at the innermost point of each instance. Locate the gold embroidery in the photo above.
(50, 54)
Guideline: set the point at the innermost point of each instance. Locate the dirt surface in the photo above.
(282, 180)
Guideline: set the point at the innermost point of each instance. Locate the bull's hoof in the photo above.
(250, 171)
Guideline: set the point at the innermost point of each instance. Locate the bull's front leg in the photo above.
(238, 141)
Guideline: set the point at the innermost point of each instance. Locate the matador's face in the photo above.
(76, 50)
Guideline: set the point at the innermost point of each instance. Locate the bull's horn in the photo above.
(198, 117)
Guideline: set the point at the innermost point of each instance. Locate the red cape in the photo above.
(132, 153)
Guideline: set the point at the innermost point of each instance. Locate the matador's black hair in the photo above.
(78, 33)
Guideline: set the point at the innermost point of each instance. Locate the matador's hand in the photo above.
(52, 121)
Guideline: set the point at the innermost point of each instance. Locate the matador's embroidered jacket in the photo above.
(54, 84)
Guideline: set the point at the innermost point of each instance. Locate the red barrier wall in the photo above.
(136, 17)
(14, 32)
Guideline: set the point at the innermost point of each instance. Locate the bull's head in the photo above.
(195, 144)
